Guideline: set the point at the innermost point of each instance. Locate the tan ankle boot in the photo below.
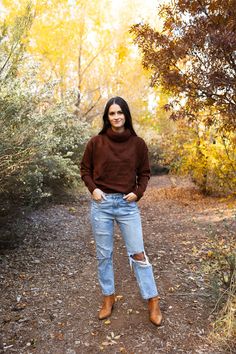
(155, 315)
(108, 302)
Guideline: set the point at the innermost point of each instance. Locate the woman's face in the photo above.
(116, 118)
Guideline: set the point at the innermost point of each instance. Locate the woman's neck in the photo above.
(118, 130)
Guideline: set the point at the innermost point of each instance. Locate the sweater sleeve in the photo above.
(86, 167)
(143, 170)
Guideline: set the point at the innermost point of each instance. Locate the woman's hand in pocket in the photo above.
(130, 197)
(98, 195)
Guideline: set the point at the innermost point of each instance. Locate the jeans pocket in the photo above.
(98, 202)
(128, 205)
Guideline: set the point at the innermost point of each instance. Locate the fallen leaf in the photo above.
(209, 254)
(106, 343)
(59, 336)
(119, 297)
(19, 306)
(171, 289)
(72, 209)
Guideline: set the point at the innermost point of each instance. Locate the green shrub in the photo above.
(40, 142)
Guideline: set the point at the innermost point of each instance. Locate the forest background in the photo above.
(60, 60)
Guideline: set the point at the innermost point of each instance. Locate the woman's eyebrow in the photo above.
(112, 112)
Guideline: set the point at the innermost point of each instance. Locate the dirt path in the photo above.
(49, 289)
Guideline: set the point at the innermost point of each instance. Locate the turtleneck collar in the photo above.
(118, 137)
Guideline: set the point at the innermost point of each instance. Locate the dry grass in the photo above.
(173, 193)
(224, 328)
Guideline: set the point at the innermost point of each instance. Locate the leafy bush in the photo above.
(40, 141)
(40, 138)
(208, 157)
(211, 162)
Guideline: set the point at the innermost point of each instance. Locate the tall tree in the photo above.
(194, 58)
(13, 41)
(86, 46)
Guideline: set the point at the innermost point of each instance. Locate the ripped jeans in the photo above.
(126, 214)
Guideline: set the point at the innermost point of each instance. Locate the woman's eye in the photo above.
(113, 113)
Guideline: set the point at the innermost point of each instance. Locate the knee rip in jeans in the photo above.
(140, 258)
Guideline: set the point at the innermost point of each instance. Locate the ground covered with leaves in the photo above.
(50, 294)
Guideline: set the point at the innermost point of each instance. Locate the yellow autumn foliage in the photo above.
(211, 162)
(86, 47)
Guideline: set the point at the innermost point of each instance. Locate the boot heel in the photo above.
(107, 307)
(155, 314)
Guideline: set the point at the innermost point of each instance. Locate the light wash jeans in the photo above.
(127, 216)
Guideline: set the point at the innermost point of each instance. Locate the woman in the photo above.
(115, 169)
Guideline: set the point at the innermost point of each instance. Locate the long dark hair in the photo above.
(125, 109)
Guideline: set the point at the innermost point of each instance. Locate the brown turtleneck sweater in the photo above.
(116, 163)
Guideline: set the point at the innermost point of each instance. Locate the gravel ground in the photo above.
(50, 294)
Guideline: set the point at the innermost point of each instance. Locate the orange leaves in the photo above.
(190, 59)
(57, 336)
